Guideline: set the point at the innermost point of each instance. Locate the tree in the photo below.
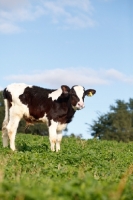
(35, 129)
(116, 124)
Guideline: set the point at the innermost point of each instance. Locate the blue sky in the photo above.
(54, 42)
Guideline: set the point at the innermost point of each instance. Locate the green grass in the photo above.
(82, 170)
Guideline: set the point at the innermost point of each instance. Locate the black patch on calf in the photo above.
(36, 98)
(7, 95)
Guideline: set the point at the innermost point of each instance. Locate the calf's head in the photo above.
(77, 94)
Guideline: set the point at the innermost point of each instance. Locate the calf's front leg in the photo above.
(52, 134)
(58, 140)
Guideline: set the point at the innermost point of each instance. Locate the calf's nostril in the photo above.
(81, 105)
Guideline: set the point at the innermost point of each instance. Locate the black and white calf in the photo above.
(56, 108)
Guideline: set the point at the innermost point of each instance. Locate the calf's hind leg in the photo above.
(12, 129)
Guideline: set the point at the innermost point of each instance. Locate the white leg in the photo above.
(58, 140)
(5, 137)
(53, 134)
(12, 129)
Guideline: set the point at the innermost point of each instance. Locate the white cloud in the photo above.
(9, 28)
(119, 76)
(76, 13)
(72, 76)
(65, 13)
(16, 11)
(8, 4)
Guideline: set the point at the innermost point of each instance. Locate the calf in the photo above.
(56, 108)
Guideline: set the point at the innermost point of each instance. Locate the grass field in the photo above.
(82, 170)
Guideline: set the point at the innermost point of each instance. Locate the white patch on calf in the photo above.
(79, 92)
(17, 89)
(61, 127)
(44, 119)
(55, 94)
(17, 106)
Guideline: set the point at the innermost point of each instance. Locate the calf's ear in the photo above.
(90, 92)
(65, 89)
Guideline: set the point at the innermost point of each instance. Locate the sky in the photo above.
(50, 43)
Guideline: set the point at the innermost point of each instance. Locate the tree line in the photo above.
(117, 124)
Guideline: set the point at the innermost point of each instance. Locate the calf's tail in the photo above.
(6, 119)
